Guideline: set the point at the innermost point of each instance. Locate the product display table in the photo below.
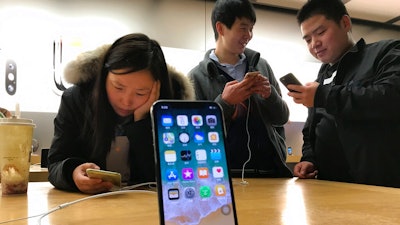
(262, 201)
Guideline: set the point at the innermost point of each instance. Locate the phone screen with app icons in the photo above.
(194, 186)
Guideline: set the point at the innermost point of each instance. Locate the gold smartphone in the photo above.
(113, 177)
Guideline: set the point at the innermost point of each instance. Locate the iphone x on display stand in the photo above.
(193, 181)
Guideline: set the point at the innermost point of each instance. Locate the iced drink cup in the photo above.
(15, 151)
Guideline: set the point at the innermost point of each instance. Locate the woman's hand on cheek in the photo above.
(144, 109)
(86, 184)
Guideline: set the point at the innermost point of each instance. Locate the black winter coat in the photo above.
(363, 101)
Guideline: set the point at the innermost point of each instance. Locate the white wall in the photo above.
(28, 29)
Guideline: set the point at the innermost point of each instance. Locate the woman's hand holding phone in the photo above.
(86, 184)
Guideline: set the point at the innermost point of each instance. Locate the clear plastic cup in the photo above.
(15, 151)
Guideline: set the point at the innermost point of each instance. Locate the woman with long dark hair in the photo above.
(103, 121)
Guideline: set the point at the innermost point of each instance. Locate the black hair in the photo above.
(331, 9)
(226, 12)
(133, 52)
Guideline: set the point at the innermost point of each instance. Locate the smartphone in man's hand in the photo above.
(251, 75)
(289, 79)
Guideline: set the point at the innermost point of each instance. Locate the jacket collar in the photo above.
(88, 65)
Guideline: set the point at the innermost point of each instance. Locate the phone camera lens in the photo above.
(11, 66)
(10, 88)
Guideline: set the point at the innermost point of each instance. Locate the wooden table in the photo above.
(38, 174)
(262, 201)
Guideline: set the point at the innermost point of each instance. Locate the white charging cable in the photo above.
(64, 205)
(244, 182)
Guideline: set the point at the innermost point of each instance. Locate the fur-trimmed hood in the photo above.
(87, 65)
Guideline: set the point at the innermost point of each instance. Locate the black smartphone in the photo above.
(289, 79)
(193, 180)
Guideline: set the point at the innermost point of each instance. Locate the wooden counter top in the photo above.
(262, 201)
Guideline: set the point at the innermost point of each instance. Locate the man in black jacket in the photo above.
(353, 126)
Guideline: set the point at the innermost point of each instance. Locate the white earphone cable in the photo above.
(248, 145)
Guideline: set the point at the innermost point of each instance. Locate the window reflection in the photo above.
(295, 210)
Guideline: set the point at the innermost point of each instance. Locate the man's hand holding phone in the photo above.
(301, 94)
(289, 80)
(258, 84)
(304, 94)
